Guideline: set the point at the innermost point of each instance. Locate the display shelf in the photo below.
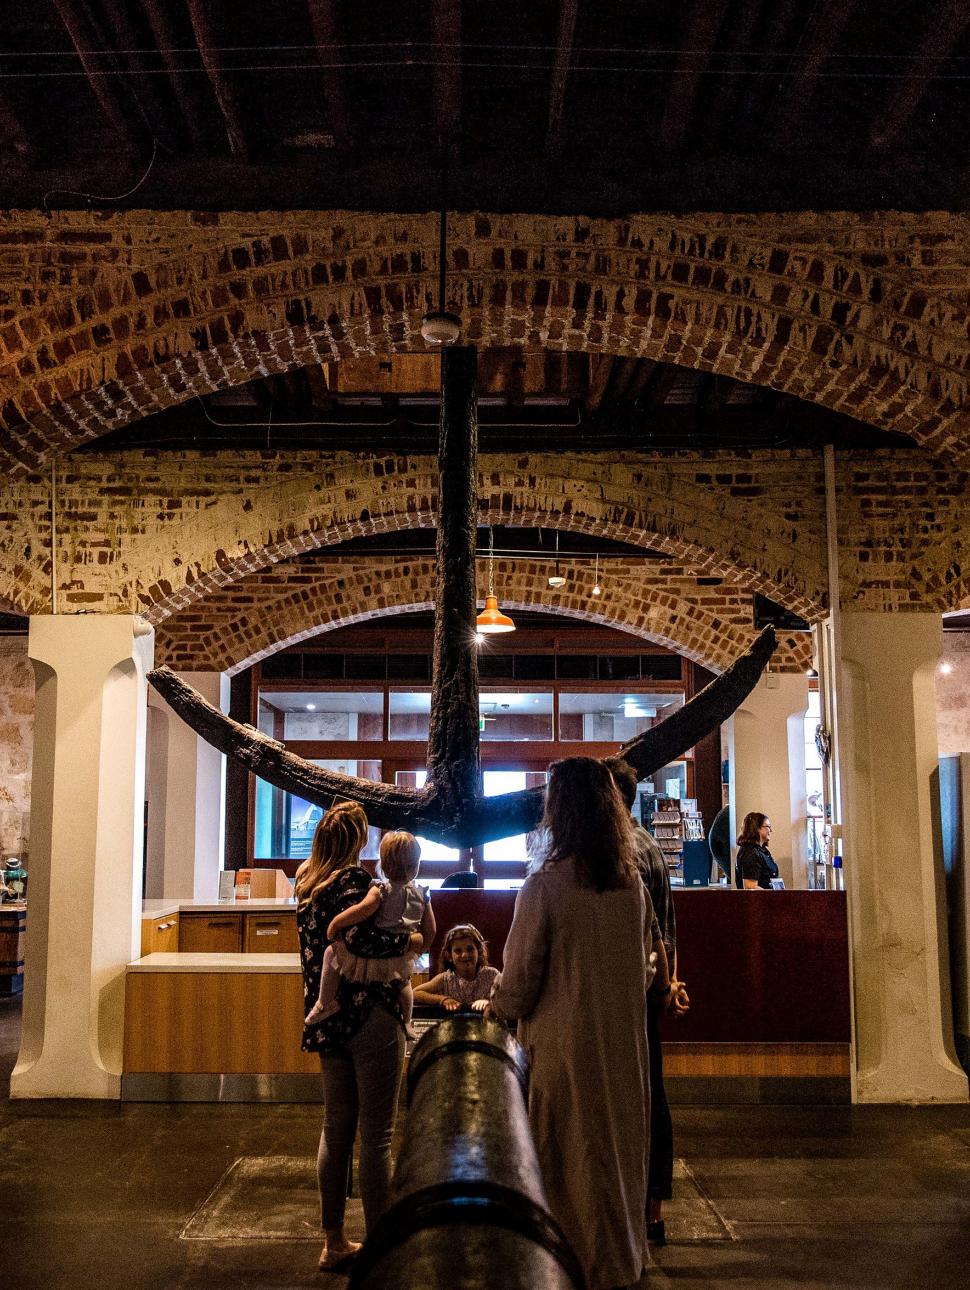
(672, 821)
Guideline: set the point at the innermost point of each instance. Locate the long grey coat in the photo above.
(576, 974)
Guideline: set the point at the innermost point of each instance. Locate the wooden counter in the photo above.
(767, 973)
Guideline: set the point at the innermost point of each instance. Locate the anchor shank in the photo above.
(454, 771)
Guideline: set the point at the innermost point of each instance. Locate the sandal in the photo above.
(338, 1260)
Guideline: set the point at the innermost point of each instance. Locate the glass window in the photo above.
(534, 667)
(514, 717)
(514, 848)
(285, 823)
(669, 781)
(660, 667)
(323, 667)
(318, 714)
(612, 718)
(619, 667)
(408, 714)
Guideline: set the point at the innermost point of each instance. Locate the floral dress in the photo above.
(356, 1000)
(469, 992)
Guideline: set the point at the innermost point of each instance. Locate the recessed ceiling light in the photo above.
(311, 707)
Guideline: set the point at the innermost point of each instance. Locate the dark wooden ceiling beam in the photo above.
(819, 41)
(641, 378)
(123, 34)
(702, 32)
(323, 22)
(103, 74)
(780, 24)
(624, 371)
(446, 74)
(185, 85)
(13, 133)
(946, 25)
(659, 384)
(568, 13)
(717, 110)
(599, 379)
(220, 77)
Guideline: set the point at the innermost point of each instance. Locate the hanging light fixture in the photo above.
(491, 620)
(597, 589)
(556, 579)
(439, 327)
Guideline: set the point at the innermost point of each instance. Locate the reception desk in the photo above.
(767, 974)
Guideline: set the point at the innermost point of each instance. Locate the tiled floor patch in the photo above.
(266, 1198)
(691, 1215)
(274, 1198)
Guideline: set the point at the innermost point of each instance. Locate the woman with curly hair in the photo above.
(577, 970)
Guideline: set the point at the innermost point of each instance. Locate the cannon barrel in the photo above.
(468, 1210)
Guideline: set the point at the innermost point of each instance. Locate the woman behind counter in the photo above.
(755, 866)
(576, 973)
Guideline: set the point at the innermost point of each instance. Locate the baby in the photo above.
(394, 903)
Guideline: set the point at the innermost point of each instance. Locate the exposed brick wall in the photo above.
(108, 316)
(16, 744)
(280, 606)
(158, 532)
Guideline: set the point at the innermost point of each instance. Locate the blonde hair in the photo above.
(400, 856)
(337, 844)
(457, 933)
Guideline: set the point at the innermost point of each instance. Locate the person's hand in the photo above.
(480, 1005)
(333, 931)
(415, 943)
(450, 1005)
(678, 1001)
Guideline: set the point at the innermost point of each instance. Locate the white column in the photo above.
(897, 921)
(87, 799)
(766, 755)
(186, 798)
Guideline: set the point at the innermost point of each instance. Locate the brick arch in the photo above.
(268, 612)
(756, 543)
(764, 300)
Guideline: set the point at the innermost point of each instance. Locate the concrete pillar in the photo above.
(903, 1028)
(186, 798)
(87, 802)
(766, 755)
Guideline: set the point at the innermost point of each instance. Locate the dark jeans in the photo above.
(661, 1171)
(361, 1084)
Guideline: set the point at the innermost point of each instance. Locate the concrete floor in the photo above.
(97, 1195)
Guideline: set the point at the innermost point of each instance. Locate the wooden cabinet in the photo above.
(271, 934)
(160, 935)
(210, 933)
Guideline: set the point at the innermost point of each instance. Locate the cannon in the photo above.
(468, 1210)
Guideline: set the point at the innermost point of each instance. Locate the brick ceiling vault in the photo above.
(113, 316)
(269, 611)
(156, 534)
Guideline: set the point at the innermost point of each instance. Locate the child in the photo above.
(397, 904)
(465, 979)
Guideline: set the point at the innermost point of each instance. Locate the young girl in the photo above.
(396, 904)
(465, 979)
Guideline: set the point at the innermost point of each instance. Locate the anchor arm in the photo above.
(386, 806)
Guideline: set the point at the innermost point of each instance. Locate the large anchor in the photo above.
(451, 807)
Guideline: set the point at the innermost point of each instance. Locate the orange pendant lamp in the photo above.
(491, 620)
